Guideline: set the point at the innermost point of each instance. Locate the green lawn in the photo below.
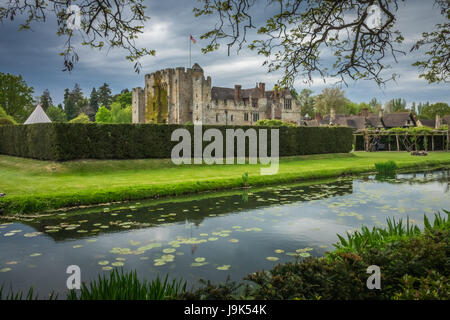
(33, 185)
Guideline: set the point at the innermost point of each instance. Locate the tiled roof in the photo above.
(397, 119)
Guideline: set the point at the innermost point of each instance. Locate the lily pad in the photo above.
(272, 258)
(224, 267)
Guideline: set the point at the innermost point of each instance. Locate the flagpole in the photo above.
(190, 57)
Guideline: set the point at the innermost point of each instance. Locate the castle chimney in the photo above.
(438, 122)
(365, 112)
(237, 92)
(318, 117)
(262, 88)
(332, 115)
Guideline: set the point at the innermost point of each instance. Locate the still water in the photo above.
(210, 236)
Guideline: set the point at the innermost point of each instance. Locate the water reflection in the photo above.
(211, 235)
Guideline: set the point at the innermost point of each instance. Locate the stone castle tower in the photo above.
(184, 95)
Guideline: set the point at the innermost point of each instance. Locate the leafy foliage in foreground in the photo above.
(414, 265)
(19, 295)
(375, 237)
(119, 285)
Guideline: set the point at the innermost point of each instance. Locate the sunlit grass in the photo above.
(33, 185)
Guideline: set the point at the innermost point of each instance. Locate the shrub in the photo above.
(388, 168)
(81, 118)
(62, 141)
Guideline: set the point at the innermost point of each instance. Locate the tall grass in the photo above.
(19, 295)
(119, 285)
(375, 237)
(388, 168)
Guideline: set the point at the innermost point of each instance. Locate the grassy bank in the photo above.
(36, 186)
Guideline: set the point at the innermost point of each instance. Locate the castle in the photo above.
(182, 95)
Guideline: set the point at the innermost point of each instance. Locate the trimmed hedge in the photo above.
(70, 141)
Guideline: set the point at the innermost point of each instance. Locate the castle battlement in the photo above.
(184, 95)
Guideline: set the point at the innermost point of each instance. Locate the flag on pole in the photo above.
(193, 40)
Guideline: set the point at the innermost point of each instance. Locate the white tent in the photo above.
(38, 116)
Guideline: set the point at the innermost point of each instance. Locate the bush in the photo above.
(81, 118)
(62, 141)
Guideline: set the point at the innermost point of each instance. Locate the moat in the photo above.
(210, 236)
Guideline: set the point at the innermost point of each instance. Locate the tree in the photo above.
(104, 95)
(6, 118)
(125, 98)
(46, 100)
(81, 118)
(76, 93)
(306, 101)
(115, 24)
(297, 37)
(56, 114)
(375, 105)
(93, 100)
(71, 109)
(331, 98)
(396, 105)
(440, 108)
(103, 115)
(119, 114)
(16, 97)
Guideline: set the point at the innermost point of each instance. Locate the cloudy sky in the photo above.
(34, 55)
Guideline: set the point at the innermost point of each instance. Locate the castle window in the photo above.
(255, 103)
(231, 118)
(196, 106)
(255, 117)
(217, 117)
(287, 104)
(246, 116)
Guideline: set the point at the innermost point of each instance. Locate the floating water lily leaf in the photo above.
(159, 263)
(272, 258)
(32, 234)
(279, 251)
(91, 240)
(5, 269)
(107, 268)
(10, 263)
(77, 246)
(198, 264)
(233, 240)
(35, 254)
(204, 234)
(304, 254)
(200, 259)
(213, 239)
(135, 243)
(169, 250)
(224, 267)
(117, 264)
(103, 262)
(121, 259)
(9, 234)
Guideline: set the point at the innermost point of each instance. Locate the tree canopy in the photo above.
(100, 23)
(298, 37)
(16, 97)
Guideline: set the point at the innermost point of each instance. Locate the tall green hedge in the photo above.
(69, 141)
